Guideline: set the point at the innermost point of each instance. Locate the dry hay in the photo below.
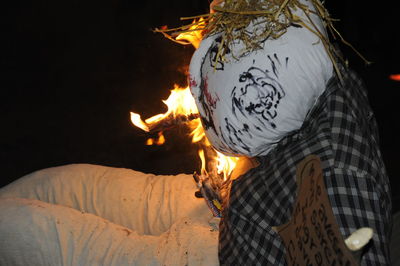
(233, 18)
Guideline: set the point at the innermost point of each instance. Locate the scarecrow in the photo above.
(270, 86)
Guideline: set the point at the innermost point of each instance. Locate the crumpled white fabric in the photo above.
(85, 214)
(248, 104)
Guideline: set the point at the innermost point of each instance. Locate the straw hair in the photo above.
(233, 18)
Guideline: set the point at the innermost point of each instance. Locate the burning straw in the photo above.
(170, 121)
(234, 16)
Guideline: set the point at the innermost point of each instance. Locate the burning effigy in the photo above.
(291, 173)
(270, 83)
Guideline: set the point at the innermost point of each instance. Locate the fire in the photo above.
(203, 170)
(226, 164)
(182, 107)
(137, 121)
(193, 36)
(180, 103)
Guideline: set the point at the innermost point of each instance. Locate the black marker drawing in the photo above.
(258, 92)
(208, 103)
(213, 52)
(234, 136)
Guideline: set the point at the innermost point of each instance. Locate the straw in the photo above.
(233, 18)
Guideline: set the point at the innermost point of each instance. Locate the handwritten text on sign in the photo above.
(312, 236)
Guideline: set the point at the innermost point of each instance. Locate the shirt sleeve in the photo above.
(358, 200)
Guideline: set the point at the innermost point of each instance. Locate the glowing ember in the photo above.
(158, 141)
(395, 77)
(182, 107)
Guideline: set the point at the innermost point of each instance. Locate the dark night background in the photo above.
(73, 70)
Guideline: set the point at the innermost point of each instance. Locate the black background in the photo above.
(73, 70)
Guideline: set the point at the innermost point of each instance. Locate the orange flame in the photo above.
(203, 170)
(178, 102)
(226, 164)
(193, 36)
(181, 102)
(137, 121)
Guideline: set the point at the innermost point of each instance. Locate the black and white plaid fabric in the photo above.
(342, 131)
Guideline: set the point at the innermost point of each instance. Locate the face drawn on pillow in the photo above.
(247, 104)
(258, 93)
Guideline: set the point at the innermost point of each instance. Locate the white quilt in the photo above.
(85, 214)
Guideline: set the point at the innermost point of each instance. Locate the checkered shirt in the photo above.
(341, 130)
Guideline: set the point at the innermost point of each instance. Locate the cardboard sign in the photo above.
(312, 236)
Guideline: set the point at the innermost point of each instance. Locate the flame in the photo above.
(226, 164)
(203, 170)
(193, 35)
(181, 102)
(137, 121)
